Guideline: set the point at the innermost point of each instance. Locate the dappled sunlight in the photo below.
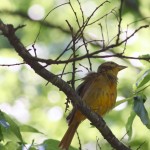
(127, 33)
(55, 113)
(54, 96)
(36, 12)
(89, 146)
(41, 49)
(10, 61)
(88, 7)
(136, 63)
(19, 110)
(121, 106)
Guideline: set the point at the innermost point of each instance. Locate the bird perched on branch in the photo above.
(99, 92)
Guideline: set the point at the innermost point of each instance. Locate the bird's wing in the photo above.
(80, 91)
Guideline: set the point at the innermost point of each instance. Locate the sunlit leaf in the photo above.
(129, 124)
(27, 128)
(52, 144)
(140, 109)
(143, 79)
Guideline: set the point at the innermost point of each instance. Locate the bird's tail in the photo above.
(66, 140)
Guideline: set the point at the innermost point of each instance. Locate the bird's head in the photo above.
(110, 67)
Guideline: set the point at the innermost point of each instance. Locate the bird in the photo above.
(99, 91)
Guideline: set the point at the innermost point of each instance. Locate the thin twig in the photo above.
(73, 63)
(141, 145)
(120, 20)
(19, 27)
(77, 20)
(81, 29)
(102, 35)
(80, 146)
(82, 35)
(88, 42)
(12, 65)
(85, 67)
(111, 12)
(94, 54)
(45, 19)
(74, 56)
(81, 11)
(67, 104)
(66, 73)
(125, 44)
(145, 18)
(33, 46)
(142, 89)
(141, 27)
(114, 12)
(98, 147)
(87, 51)
(92, 14)
(107, 32)
(124, 135)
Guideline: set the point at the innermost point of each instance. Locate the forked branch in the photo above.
(9, 32)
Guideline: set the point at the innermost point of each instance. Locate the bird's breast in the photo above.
(101, 96)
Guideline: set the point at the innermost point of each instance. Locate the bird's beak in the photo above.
(120, 67)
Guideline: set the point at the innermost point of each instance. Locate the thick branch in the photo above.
(9, 32)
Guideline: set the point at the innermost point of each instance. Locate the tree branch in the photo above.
(9, 32)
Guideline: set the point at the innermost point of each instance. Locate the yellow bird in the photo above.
(99, 91)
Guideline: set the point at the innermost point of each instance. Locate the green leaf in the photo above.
(3, 124)
(3, 121)
(129, 124)
(27, 128)
(143, 79)
(2, 147)
(11, 145)
(140, 109)
(1, 134)
(123, 101)
(9, 127)
(145, 63)
(52, 144)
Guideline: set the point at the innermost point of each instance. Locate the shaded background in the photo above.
(26, 97)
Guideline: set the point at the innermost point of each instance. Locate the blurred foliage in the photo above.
(33, 111)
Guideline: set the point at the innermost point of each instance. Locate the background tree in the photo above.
(73, 38)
